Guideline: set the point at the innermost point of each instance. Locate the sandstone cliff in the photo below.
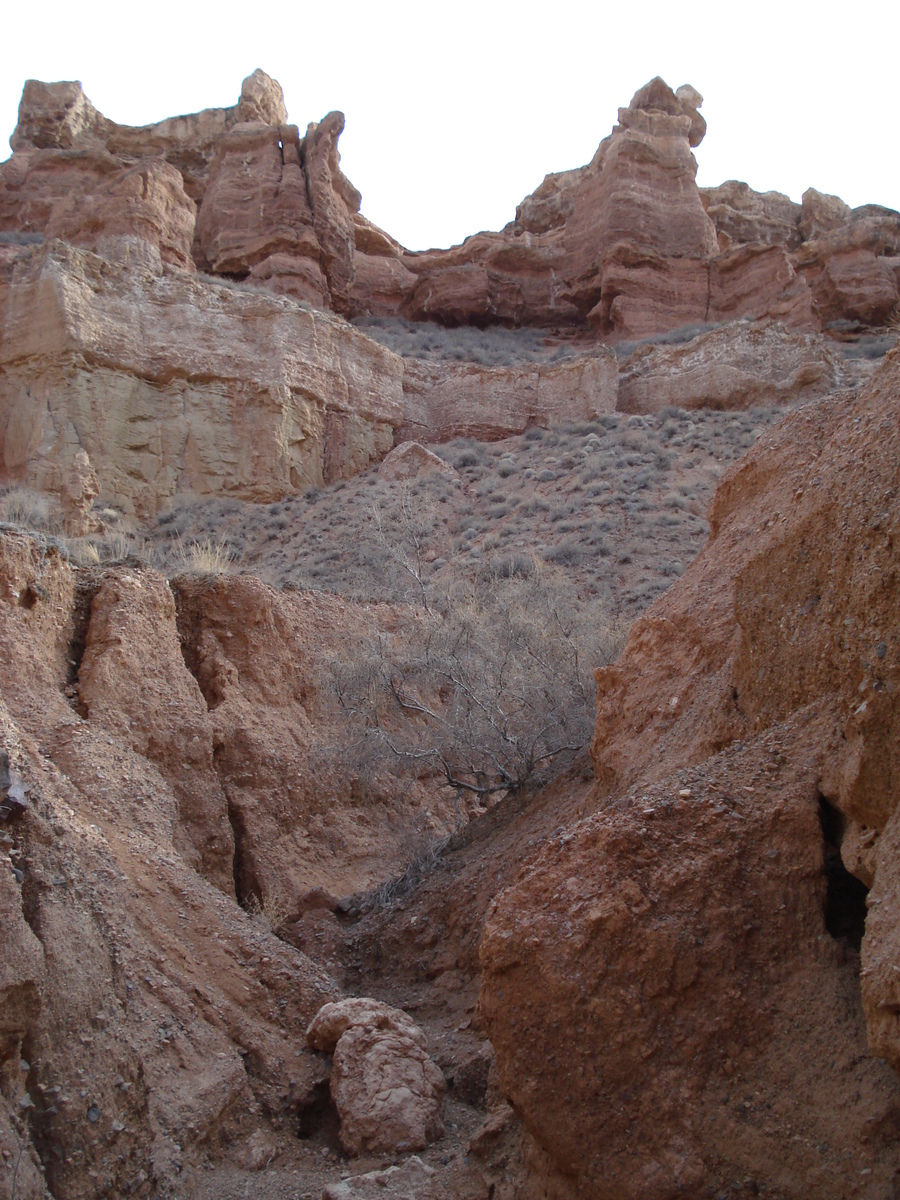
(627, 245)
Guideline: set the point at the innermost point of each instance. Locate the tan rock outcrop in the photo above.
(306, 819)
(59, 116)
(80, 488)
(166, 1018)
(853, 269)
(746, 740)
(409, 460)
(744, 217)
(334, 200)
(255, 396)
(444, 400)
(256, 206)
(386, 1089)
(738, 366)
(626, 244)
(133, 681)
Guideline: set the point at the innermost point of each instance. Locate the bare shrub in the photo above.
(495, 687)
(272, 912)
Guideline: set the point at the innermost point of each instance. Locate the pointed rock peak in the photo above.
(262, 100)
(657, 96)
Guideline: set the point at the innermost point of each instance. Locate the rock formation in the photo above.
(627, 245)
(446, 400)
(736, 366)
(686, 941)
(386, 1089)
(152, 1013)
(256, 396)
(689, 964)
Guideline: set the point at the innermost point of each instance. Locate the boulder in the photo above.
(410, 460)
(333, 1020)
(386, 1089)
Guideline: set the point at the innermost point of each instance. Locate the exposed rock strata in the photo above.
(627, 245)
(256, 396)
(734, 367)
(154, 1015)
(763, 681)
(446, 400)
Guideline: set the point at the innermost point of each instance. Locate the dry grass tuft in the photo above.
(272, 912)
(206, 557)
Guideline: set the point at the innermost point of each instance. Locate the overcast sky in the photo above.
(455, 111)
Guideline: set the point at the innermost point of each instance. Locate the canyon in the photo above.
(285, 508)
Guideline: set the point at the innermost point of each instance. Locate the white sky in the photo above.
(456, 111)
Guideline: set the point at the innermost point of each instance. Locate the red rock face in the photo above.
(673, 986)
(627, 245)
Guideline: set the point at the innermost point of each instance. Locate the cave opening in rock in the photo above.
(845, 897)
(317, 1117)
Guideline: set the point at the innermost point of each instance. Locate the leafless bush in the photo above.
(495, 688)
(272, 912)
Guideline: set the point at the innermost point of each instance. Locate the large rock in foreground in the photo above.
(386, 1089)
(672, 987)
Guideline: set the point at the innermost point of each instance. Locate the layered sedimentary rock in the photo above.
(444, 400)
(672, 987)
(146, 1019)
(626, 245)
(737, 366)
(256, 395)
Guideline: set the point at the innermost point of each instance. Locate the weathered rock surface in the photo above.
(444, 400)
(133, 682)
(748, 733)
(59, 117)
(303, 818)
(742, 216)
(386, 1089)
(738, 366)
(256, 396)
(156, 1016)
(626, 244)
(409, 460)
